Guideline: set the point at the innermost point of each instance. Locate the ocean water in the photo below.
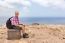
(40, 20)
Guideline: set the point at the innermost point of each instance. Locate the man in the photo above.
(13, 23)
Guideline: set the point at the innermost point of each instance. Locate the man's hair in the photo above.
(16, 13)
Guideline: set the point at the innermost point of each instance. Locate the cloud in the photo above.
(16, 4)
(9, 6)
(8, 3)
(4, 4)
(22, 2)
(6, 11)
(51, 3)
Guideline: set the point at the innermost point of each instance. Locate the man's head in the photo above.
(17, 13)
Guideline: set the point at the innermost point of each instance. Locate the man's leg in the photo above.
(22, 28)
(25, 35)
(19, 28)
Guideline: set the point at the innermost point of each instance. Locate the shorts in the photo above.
(15, 27)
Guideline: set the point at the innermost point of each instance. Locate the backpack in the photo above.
(8, 23)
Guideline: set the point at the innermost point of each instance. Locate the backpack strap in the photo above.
(10, 18)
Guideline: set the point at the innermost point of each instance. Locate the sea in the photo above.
(39, 20)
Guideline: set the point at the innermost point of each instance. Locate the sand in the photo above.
(37, 34)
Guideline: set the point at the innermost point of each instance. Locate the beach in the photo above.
(42, 33)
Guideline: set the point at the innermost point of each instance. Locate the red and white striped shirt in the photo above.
(14, 20)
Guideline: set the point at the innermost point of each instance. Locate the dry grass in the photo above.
(38, 34)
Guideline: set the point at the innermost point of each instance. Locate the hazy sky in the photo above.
(33, 8)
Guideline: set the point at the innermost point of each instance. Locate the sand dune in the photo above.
(38, 34)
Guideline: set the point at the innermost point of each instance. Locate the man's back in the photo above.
(8, 23)
(12, 21)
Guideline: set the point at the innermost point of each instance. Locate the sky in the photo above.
(33, 8)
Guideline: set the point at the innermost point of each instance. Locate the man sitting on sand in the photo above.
(13, 22)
